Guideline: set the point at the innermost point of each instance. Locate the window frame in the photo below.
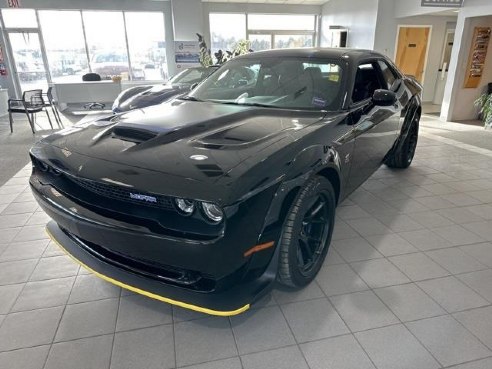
(375, 64)
(39, 30)
(273, 32)
(396, 76)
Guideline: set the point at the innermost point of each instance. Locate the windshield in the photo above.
(291, 83)
(191, 76)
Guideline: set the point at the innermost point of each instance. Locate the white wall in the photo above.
(386, 24)
(386, 38)
(462, 107)
(358, 16)
(457, 101)
(187, 19)
(411, 8)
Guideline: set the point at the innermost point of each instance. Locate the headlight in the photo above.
(212, 212)
(186, 207)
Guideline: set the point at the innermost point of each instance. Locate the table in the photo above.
(86, 92)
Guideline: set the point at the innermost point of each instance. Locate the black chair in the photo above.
(49, 102)
(32, 102)
(92, 77)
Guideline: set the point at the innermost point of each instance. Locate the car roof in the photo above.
(315, 52)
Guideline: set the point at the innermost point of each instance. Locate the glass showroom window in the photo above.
(64, 43)
(105, 32)
(19, 18)
(281, 31)
(281, 22)
(291, 41)
(147, 46)
(25, 41)
(226, 30)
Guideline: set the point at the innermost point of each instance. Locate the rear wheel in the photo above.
(307, 233)
(403, 156)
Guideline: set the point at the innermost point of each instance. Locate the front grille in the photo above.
(176, 276)
(124, 194)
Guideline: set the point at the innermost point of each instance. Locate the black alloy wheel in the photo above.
(412, 141)
(403, 155)
(307, 232)
(313, 235)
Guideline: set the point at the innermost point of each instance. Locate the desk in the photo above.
(86, 92)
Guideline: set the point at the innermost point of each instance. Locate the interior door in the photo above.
(411, 52)
(28, 59)
(443, 69)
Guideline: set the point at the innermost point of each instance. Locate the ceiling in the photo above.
(447, 13)
(289, 2)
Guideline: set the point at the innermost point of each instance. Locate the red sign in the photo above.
(13, 3)
(3, 69)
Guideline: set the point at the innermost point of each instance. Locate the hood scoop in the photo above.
(136, 135)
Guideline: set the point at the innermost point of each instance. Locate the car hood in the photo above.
(153, 96)
(196, 141)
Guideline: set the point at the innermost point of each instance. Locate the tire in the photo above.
(299, 234)
(402, 157)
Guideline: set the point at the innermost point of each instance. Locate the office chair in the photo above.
(92, 77)
(32, 102)
(49, 102)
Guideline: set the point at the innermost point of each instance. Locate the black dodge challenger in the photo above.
(206, 200)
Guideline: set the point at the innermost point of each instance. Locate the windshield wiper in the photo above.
(245, 104)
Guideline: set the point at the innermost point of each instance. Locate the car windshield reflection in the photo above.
(289, 83)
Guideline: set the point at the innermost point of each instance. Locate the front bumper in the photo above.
(231, 295)
(226, 304)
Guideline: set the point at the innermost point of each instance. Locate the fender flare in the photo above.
(414, 106)
(327, 160)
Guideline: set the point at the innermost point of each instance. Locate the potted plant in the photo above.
(484, 102)
(242, 47)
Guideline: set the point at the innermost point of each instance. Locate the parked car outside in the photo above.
(206, 200)
(139, 97)
(112, 63)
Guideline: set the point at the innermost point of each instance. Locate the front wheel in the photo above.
(403, 156)
(307, 233)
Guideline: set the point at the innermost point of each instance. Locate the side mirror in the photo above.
(384, 98)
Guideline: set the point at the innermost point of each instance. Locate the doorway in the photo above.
(412, 49)
(443, 68)
(29, 63)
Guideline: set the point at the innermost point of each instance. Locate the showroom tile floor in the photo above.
(407, 284)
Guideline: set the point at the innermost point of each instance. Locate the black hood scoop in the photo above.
(131, 134)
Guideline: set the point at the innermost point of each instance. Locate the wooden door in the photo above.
(411, 51)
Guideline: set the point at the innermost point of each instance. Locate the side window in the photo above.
(388, 74)
(366, 82)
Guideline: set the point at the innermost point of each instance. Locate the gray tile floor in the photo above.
(407, 284)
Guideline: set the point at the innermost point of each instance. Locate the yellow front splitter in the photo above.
(147, 293)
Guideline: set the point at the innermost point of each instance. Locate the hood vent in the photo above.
(133, 134)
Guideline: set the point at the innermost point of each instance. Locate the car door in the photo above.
(375, 127)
